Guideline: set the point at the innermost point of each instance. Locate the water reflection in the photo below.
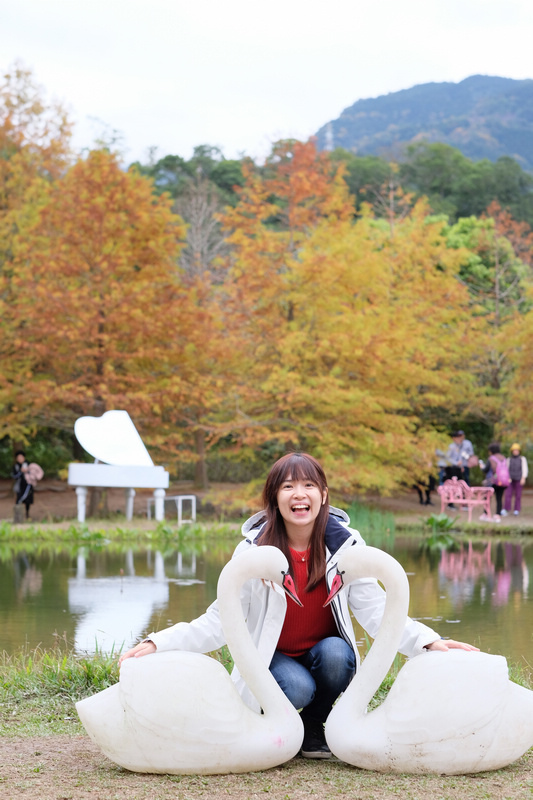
(30, 581)
(499, 574)
(109, 597)
(111, 610)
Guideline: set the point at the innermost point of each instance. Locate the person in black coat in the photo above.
(23, 490)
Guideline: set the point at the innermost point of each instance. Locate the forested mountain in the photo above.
(484, 117)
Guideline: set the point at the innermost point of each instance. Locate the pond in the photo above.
(109, 597)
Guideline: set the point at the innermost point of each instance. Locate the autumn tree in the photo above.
(515, 334)
(347, 334)
(199, 189)
(517, 232)
(200, 207)
(516, 421)
(97, 315)
(34, 148)
(497, 280)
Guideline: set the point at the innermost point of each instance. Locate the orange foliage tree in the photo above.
(34, 149)
(351, 342)
(97, 316)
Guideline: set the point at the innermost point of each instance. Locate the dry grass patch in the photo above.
(64, 767)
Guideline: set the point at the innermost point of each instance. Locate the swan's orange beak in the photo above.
(336, 585)
(290, 588)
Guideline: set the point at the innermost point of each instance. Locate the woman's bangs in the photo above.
(300, 468)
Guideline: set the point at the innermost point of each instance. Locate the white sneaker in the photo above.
(496, 518)
(504, 512)
(516, 513)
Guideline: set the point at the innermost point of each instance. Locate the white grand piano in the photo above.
(114, 440)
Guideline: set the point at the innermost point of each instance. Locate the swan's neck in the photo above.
(255, 673)
(375, 563)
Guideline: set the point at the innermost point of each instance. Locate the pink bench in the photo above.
(460, 493)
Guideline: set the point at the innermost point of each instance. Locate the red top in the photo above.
(304, 627)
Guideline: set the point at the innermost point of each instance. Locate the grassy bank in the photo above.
(101, 531)
(39, 688)
(377, 525)
(98, 535)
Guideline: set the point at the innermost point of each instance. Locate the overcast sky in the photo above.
(241, 74)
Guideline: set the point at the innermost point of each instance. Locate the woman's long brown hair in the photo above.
(297, 467)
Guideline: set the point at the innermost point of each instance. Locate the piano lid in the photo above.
(113, 439)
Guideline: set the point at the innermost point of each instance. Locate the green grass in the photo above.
(377, 527)
(196, 538)
(39, 688)
(98, 531)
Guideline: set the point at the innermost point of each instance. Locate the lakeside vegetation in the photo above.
(116, 533)
(39, 688)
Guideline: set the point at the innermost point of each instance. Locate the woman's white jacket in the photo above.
(264, 607)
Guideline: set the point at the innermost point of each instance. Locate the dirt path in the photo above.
(65, 767)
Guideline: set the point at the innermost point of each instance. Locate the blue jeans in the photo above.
(314, 680)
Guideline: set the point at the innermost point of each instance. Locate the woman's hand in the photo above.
(141, 649)
(450, 644)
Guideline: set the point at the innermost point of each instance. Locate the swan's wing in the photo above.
(447, 695)
(185, 696)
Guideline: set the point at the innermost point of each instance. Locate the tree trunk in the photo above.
(200, 468)
(97, 496)
(98, 503)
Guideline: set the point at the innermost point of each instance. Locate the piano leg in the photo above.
(159, 495)
(130, 494)
(81, 493)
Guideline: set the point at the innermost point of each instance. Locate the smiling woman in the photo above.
(310, 649)
(296, 490)
(299, 503)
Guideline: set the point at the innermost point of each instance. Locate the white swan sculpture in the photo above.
(451, 712)
(179, 712)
